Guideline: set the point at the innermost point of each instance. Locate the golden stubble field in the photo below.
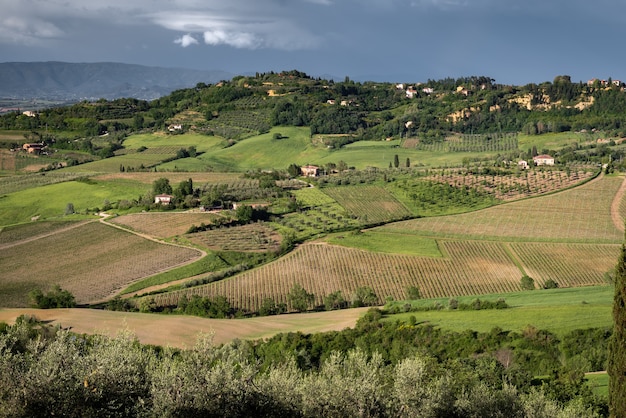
(182, 331)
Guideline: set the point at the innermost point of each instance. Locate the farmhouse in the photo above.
(163, 199)
(522, 164)
(32, 148)
(175, 127)
(252, 205)
(543, 159)
(310, 170)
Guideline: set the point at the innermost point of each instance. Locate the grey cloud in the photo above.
(237, 23)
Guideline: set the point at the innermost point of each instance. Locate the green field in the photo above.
(264, 152)
(203, 143)
(553, 141)
(388, 243)
(556, 310)
(599, 383)
(371, 204)
(133, 161)
(51, 201)
(207, 264)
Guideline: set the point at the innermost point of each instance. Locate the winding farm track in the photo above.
(150, 238)
(618, 221)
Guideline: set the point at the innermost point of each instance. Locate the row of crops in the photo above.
(515, 185)
(13, 184)
(233, 124)
(472, 143)
(473, 268)
(566, 237)
(251, 237)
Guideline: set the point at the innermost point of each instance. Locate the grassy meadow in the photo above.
(156, 141)
(391, 243)
(557, 310)
(50, 201)
(263, 152)
(554, 140)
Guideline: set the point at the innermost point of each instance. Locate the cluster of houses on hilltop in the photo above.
(605, 83)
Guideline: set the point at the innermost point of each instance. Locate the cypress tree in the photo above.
(617, 345)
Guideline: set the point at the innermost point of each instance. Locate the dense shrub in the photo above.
(56, 298)
(63, 374)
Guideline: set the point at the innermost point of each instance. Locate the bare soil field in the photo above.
(93, 261)
(182, 331)
(163, 224)
(7, 160)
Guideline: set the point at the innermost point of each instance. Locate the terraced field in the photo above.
(568, 237)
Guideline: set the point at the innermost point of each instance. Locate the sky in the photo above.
(513, 41)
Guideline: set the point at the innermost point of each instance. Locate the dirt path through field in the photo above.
(48, 234)
(617, 218)
(202, 253)
(182, 331)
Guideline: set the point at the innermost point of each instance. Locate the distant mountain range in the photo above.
(90, 81)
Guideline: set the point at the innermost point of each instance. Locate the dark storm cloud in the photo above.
(512, 40)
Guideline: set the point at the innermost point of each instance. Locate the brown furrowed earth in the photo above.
(182, 331)
(93, 261)
(163, 224)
